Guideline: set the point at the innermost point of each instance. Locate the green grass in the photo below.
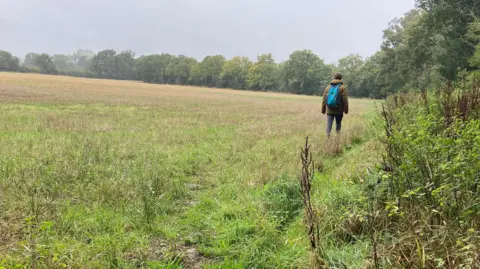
(159, 177)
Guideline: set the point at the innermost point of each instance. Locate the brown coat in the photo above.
(343, 108)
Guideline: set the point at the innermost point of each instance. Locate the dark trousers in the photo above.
(338, 121)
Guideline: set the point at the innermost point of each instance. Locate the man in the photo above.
(335, 103)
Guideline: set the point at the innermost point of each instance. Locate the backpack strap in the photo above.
(336, 86)
(339, 86)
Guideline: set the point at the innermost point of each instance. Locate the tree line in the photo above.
(431, 43)
(303, 73)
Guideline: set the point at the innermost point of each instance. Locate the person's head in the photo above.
(337, 76)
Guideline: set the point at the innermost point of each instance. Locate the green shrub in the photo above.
(428, 190)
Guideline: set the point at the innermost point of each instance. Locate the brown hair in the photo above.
(337, 76)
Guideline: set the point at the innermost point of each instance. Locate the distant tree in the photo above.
(184, 68)
(404, 52)
(306, 72)
(144, 69)
(211, 68)
(235, 72)
(82, 59)
(370, 83)
(8, 62)
(45, 64)
(124, 65)
(208, 72)
(63, 62)
(30, 59)
(161, 64)
(153, 68)
(170, 71)
(449, 20)
(283, 81)
(179, 68)
(196, 75)
(411, 55)
(104, 64)
(350, 67)
(262, 75)
(332, 68)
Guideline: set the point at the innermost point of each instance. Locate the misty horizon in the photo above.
(198, 28)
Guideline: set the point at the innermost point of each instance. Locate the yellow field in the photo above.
(99, 173)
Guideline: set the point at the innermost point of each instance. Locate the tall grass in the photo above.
(109, 174)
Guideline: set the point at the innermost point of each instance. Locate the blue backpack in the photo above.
(333, 97)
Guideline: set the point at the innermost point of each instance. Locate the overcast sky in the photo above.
(331, 28)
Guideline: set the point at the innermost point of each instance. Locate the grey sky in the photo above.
(331, 28)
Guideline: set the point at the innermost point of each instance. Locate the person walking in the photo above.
(335, 103)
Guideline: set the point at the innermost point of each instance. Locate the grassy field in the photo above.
(117, 174)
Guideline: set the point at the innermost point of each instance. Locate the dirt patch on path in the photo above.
(190, 257)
